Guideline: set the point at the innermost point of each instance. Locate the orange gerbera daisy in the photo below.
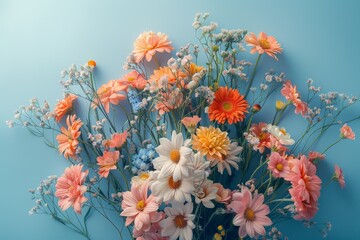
(148, 43)
(211, 142)
(263, 44)
(64, 107)
(68, 142)
(228, 105)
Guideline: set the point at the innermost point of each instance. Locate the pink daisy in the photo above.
(70, 189)
(251, 213)
(278, 165)
(263, 44)
(140, 208)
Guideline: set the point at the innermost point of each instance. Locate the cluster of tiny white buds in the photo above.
(10, 123)
(271, 76)
(274, 233)
(263, 87)
(270, 191)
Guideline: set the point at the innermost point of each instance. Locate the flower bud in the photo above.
(279, 105)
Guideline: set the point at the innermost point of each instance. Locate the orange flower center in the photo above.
(249, 214)
(140, 205)
(180, 221)
(144, 176)
(149, 47)
(130, 79)
(263, 136)
(174, 184)
(283, 131)
(279, 167)
(264, 44)
(227, 106)
(175, 155)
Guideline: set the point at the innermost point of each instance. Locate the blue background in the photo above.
(38, 38)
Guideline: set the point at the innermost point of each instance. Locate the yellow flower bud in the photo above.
(220, 228)
(279, 105)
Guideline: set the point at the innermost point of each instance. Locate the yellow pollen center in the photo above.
(180, 221)
(140, 205)
(264, 44)
(144, 176)
(249, 214)
(283, 131)
(130, 79)
(279, 167)
(227, 106)
(174, 184)
(263, 136)
(149, 47)
(175, 155)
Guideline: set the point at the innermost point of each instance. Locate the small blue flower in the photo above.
(143, 160)
(135, 100)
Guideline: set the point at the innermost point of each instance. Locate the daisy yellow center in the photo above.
(175, 155)
(227, 106)
(130, 79)
(279, 167)
(180, 221)
(249, 214)
(140, 205)
(264, 44)
(283, 131)
(149, 47)
(174, 184)
(263, 136)
(144, 176)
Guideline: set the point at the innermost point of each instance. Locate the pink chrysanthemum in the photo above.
(278, 165)
(70, 189)
(251, 213)
(339, 176)
(263, 44)
(140, 208)
(148, 43)
(107, 162)
(347, 132)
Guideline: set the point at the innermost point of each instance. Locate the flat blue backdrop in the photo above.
(38, 38)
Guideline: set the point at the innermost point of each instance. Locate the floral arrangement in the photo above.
(178, 147)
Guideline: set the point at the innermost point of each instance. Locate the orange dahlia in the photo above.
(228, 105)
(211, 142)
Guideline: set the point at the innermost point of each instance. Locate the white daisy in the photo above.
(200, 166)
(174, 157)
(205, 193)
(167, 189)
(231, 159)
(179, 222)
(281, 134)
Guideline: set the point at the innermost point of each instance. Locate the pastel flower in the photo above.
(199, 165)
(140, 208)
(142, 160)
(118, 139)
(211, 142)
(230, 159)
(191, 122)
(278, 165)
(64, 107)
(339, 176)
(205, 193)
(251, 213)
(167, 189)
(107, 162)
(347, 132)
(134, 79)
(263, 44)
(280, 134)
(148, 43)
(291, 94)
(222, 195)
(179, 222)
(228, 105)
(263, 136)
(91, 63)
(109, 93)
(153, 234)
(314, 156)
(70, 189)
(301, 107)
(67, 140)
(169, 100)
(141, 179)
(174, 157)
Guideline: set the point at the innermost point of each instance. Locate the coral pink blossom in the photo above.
(168, 101)
(190, 123)
(140, 208)
(107, 162)
(67, 140)
(291, 94)
(306, 186)
(64, 107)
(134, 79)
(70, 189)
(118, 139)
(278, 165)
(301, 107)
(109, 93)
(260, 131)
(339, 176)
(263, 44)
(251, 213)
(222, 195)
(153, 234)
(347, 132)
(148, 43)
(166, 77)
(314, 156)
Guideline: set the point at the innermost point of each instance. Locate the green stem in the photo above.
(332, 145)
(252, 76)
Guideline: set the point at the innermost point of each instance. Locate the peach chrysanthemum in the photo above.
(168, 101)
(109, 93)
(64, 107)
(192, 68)
(107, 162)
(228, 105)
(134, 79)
(347, 132)
(67, 140)
(148, 43)
(211, 142)
(70, 189)
(172, 77)
(263, 44)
